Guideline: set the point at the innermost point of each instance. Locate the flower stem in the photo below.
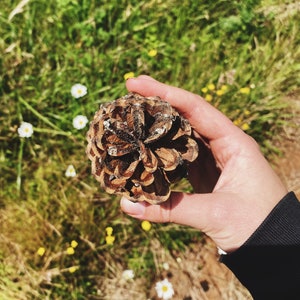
(19, 166)
(36, 113)
(54, 132)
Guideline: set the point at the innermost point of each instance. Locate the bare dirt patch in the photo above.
(198, 274)
(195, 274)
(287, 165)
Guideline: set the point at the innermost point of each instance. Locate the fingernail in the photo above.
(132, 208)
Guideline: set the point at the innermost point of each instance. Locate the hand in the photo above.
(240, 192)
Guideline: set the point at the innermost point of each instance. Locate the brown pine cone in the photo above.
(138, 146)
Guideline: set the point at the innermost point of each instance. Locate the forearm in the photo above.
(268, 264)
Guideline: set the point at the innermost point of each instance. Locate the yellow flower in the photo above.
(74, 244)
(110, 239)
(247, 112)
(204, 90)
(224, 88)
(220, 92)
(211, 86)
(128, 75)
(245, 90)
(146, 225)
(152, 52)
(245, 126)
(237, 122)
(70, 251)
(208, 98)
(41, 251)
(73, 269)
(109, 230)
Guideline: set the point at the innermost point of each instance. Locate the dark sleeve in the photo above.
(268, 263)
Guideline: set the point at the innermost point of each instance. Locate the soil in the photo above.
(287, 165)
(197, 274)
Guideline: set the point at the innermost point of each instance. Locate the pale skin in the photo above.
(231, 200)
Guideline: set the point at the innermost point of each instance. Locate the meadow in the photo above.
(61, 236)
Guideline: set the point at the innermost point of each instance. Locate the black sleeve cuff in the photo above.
(268, 264)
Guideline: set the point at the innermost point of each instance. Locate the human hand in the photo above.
(239, 194)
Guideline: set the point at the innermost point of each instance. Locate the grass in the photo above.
(250, 48)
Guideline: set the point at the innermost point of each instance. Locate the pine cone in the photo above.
(138, 146)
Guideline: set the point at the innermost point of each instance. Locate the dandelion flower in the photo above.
(220, 92)
(128, 75)
(146, 225)
(70, 251)
(80, 121)
(74, 244)
(245, 126)
(110, 239)
(109, 230)
(237, 121)
(70, 172)
(208, 98)
(164, 289)
(25, 130)
(204, 90)
(245, 90)
(152, 52)
(224, 88)
(211, 86)
(73, 269)
(128, 275)
(78, 90)
(41, 251)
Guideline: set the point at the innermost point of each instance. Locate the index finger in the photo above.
(204, 118)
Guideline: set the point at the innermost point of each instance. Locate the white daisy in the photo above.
(128, 275)
(70, 172)
(80, 121)
(166, 266)
(25, 130)
(78, 90)
(164, 289)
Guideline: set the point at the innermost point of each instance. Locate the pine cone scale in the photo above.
(168, 158)
(149, 159)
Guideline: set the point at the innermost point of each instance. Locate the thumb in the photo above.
(185, 209)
